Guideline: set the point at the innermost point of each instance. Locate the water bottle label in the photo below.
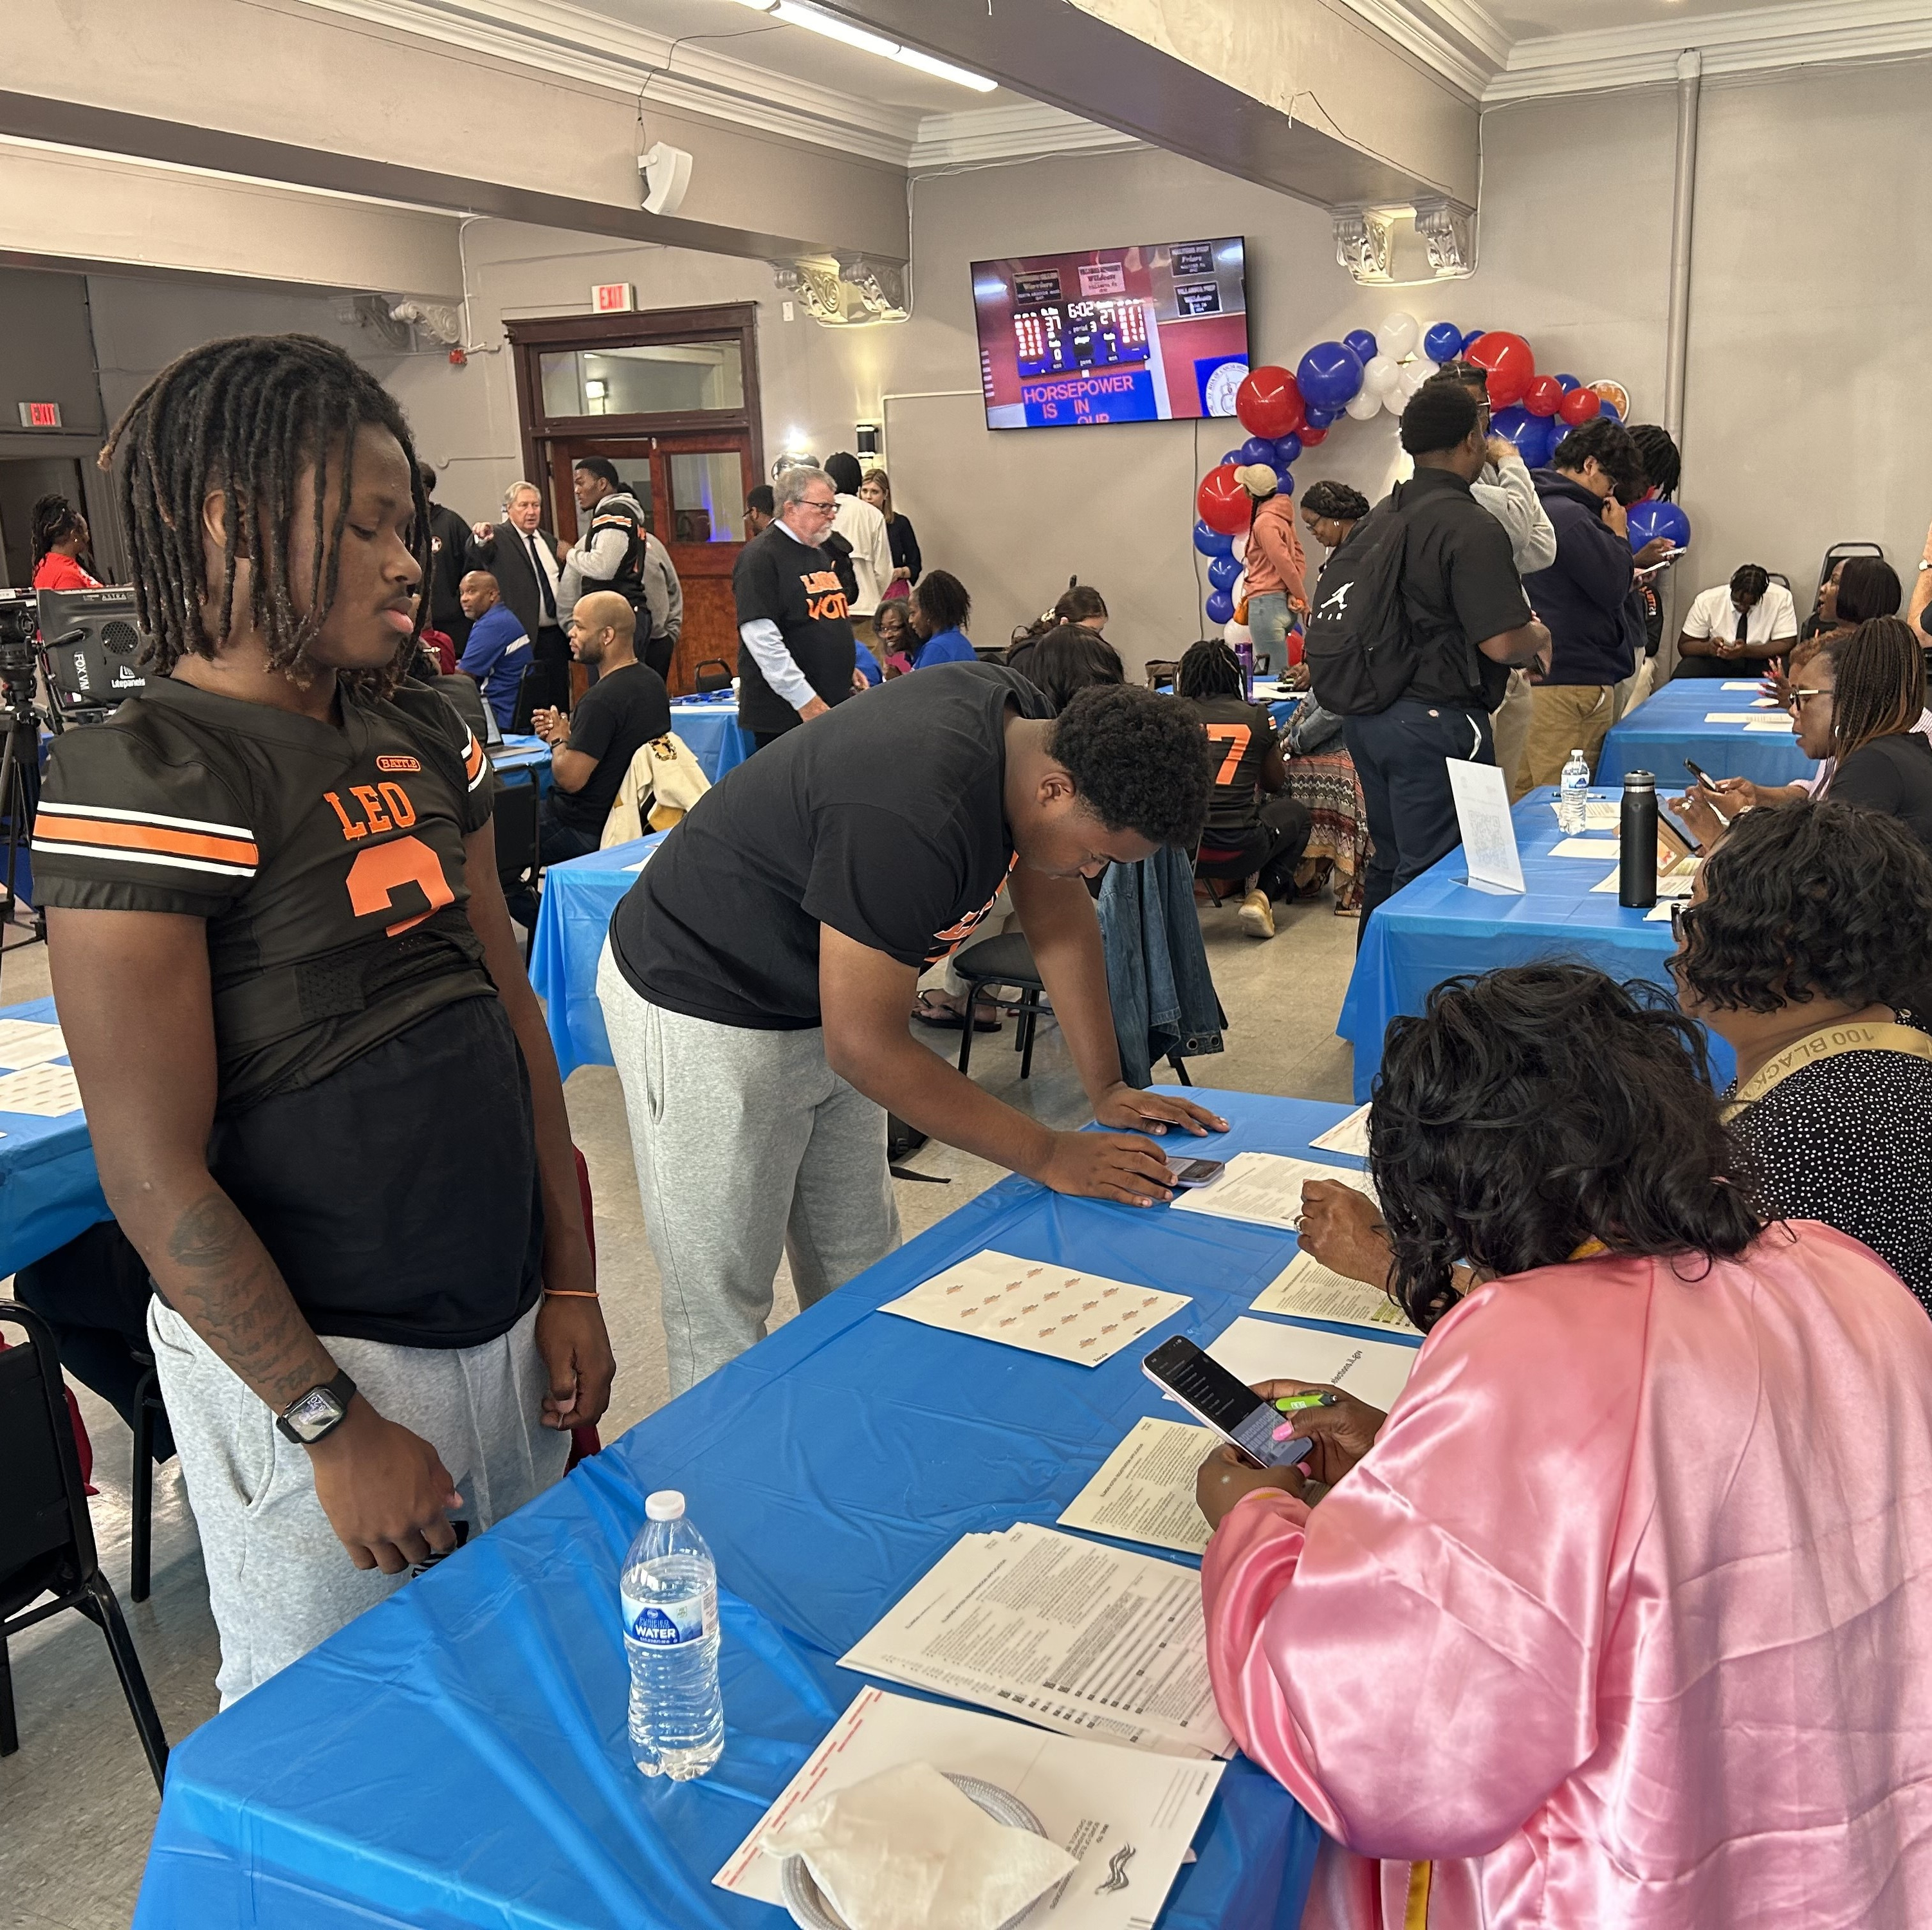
(664, 1625)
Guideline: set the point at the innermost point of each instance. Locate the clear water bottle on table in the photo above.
(1573, 796)
(669, 1593)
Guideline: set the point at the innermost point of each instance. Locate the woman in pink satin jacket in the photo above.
(1622, 1615)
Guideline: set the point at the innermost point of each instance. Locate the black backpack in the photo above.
(1360, 650)
(628, 582)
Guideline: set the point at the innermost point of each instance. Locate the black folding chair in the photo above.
(530, 686)
(47, 1539)
(1005, 961)
(516, 812)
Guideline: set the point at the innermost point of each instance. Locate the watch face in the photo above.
(316, 1410)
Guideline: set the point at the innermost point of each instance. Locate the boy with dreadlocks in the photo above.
(321, 1094)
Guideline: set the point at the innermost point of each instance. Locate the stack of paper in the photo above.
(1129, 1819)
(1584, 847)
(1349, 1136)
(29, 1042)
(1034, 1304)
(1266, 1188)
(1307, 1287)
(1599, 814)
(1144, 1491)
(1254, 1351)
(1079, 1638)
(46, 1091)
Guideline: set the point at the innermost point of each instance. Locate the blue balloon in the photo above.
(1329, 374)
(1319, 418)
(1566, 382)
(1531, 434)
(1231, 458)
(1288, 450)
(1443, 342)
(1610, 409)
(1209, 541)
(1258, 449)
(1651, 519)
(1284, 479)
(1221, 572)
(1362, 342)
(1220, 607)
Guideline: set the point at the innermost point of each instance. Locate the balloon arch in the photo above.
(1285, 413)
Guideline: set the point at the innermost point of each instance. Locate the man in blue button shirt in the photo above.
(498, 652)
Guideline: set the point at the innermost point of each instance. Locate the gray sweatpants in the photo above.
(748, 1145)
(278, 1580)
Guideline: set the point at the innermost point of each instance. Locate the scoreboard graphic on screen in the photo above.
(1138, 334)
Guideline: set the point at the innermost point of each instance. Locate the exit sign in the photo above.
(39, 415)
(613, 298)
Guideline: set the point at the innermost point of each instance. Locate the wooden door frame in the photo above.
(531, 337)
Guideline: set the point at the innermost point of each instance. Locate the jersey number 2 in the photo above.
(378, 871)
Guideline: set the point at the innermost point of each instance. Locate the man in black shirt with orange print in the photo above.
(283, 966)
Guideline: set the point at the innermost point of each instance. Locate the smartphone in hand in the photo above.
(1218, 1401)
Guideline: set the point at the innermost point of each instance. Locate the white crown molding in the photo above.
(1755, 40)
(1452, 38)
(977, 135)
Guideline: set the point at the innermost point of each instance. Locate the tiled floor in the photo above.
(77, 1806)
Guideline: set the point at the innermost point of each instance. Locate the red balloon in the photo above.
(1269, 402)
(1311, 437)
(1223, 503)
(1511, 366)
(1544, 396)
(1580, 405)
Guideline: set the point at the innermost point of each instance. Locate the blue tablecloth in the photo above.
(519, 757)
(1438, 927)
(1658, 736)
(458, 1756)
(50, 1190)
(710, 729)
(574, 913)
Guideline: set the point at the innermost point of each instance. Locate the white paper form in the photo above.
(1747, 685)
(1739, 717)
(1672, 884)
(1085, 1640)
(1586, 848)
(1040, 1306)
(1375, 1371)
(1265, 1188)
(46, 1091)
(1771, 723)
(1118, 1812)
(1305, 1287)
(1599, 814)
(1489, 831)
(1144, 1491)
(1349, 1136)
(29, 1042)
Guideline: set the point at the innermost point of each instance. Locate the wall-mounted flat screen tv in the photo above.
(1157, 333)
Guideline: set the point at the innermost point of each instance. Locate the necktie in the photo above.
(543, 578)
(1744, 626)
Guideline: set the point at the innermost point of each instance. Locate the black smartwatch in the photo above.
(318, 1412)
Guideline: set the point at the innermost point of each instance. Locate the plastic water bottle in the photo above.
(670, 1590)
(1244, 656)
(1573, 796)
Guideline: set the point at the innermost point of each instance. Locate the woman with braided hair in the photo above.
(60, 540)
(286, 845)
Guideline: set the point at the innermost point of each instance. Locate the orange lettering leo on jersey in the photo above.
(351, 829)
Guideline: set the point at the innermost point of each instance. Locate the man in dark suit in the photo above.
(522, 557)
(449, 561)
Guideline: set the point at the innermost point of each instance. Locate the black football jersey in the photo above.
(328, 861)
(1241, 735)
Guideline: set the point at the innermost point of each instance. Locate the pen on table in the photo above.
(1294, 1403)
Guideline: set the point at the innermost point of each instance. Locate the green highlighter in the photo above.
(1295, 1403)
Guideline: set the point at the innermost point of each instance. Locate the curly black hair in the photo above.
(1616, 456)
(52, 520)
(1440, 415)
(1809, 900)
(1140, 761)
(1663, 461)
(247, 415)
(1532, 1109)
(943, 601)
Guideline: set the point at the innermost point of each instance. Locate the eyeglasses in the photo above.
(828, 504)
(1799, 698)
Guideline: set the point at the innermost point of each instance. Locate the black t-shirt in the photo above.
(623, 710)
(1844, 1140)
(794, 585)
(355, 1023)
(1242, 735)
(885, 820)
(1893, 775)
(1460, 582)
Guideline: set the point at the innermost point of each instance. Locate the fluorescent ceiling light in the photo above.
(836, 27)
(945, 69)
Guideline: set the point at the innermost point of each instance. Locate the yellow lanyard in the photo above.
(1827, 1043)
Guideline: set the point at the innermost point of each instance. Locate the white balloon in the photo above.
(1397, 335)
(1237, 634)
(1380, 374)
(1239, 550)
(1416, 373)
(1362, 405)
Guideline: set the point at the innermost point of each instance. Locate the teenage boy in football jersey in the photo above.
(284, 965)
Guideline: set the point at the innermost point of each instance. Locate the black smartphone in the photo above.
(1195, 1172)
(1218, 1401)
(1708, 782)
